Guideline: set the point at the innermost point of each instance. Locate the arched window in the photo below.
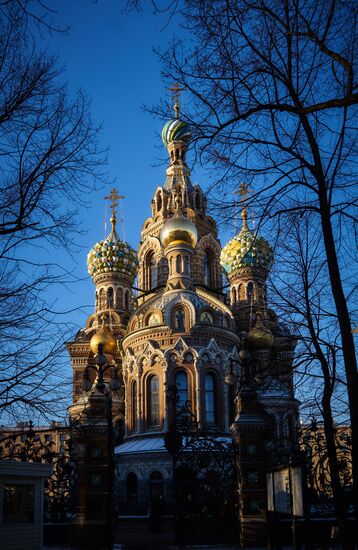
(187, 265)
(210, 399)
(234, 298)
(110, 297)
(134, 406)
(179, 320)
(178, 266)
(127, 299)
(198, 200)
(155, 486)
(181, 383)
(159, 202)
(101, 299)
(208, 269)
(150, 274)
(250, 291)
(131, 487)
(96, 299)
(119, 298)
(153, 401)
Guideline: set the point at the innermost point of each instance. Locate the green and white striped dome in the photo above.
(176, 130)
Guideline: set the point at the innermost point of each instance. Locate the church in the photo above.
(166, 320)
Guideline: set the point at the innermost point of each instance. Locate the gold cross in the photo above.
(113, 197)
(176, 89)
(244, 191)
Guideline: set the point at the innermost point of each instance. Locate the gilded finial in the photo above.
(114, 197)
(244, 191)
(176, 89)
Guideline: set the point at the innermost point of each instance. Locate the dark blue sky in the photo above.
(110, 55)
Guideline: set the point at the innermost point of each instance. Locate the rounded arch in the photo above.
(189, 310)
(250, 291)
(211, 391)
(179, 319)
(159, 200)
(131, 487)
(150, 270)
(208, 268)
(153, 317)
(110, 297)
(101, 298)
(152, 383)
(133, 405)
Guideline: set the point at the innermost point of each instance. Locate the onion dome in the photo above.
(176, 130)
(259, 337)
(179, 230)
(105, 337)
(247, 249)
(112, 255)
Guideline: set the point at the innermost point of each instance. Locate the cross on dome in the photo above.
(114, 197)
(176, 89)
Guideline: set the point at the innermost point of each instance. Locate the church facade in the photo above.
(180, 328)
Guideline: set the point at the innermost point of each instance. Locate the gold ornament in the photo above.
(105, 337)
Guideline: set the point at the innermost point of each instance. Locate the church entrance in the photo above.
(205, 508)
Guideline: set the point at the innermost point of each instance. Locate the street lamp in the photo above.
(100, 368)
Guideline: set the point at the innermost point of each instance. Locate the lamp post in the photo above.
(100, 367)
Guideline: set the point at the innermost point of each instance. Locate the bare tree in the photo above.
(49, 160)
(301, 293)
(273, 100)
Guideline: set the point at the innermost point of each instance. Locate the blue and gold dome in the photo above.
(246, 250)
(176, 130)
(112, 255)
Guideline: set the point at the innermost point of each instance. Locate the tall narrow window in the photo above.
(250, 291)
(155, 486)
(178, 265)
(210, 399)
(181, 383)
(131, 487)
(207, 269)
(101, 299)
(134, 406)
(150, 275)
(153, 401)
(119, 296)
(110, 297)
(179, 320)
(127, 299)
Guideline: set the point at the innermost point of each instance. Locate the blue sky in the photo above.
(110, 55)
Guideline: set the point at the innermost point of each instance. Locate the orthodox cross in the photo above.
(244, 191)
(114, 197)
(176, 89)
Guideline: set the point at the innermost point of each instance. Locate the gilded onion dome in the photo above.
(247, 249)
(112, 255)
(179, 230)
(105, 337)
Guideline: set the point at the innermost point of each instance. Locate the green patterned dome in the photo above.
(247, 249)
(176, 130)
(112, 255)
